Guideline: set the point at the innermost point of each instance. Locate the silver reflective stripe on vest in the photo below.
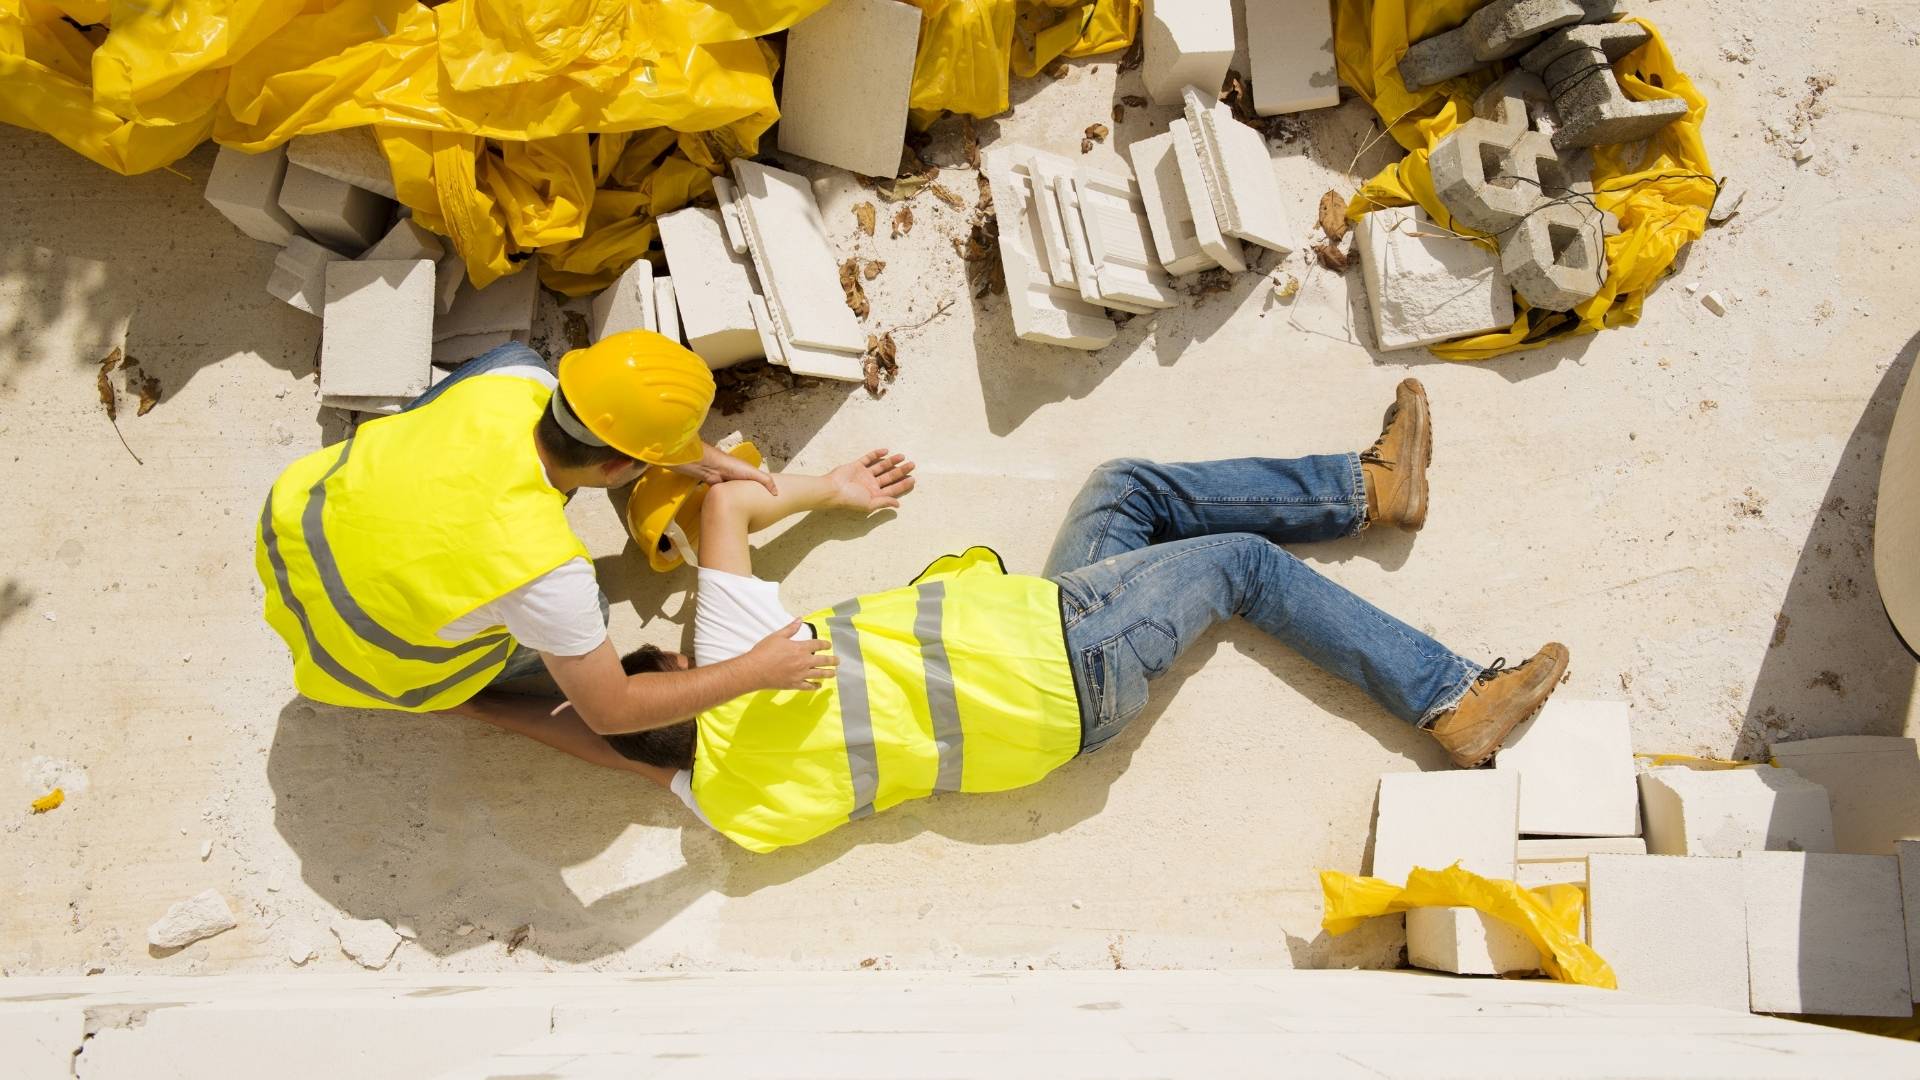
(313, 524)
(338, 671)
(941, 700)
(856, 712)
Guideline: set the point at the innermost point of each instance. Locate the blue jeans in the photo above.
(1152, 555)
(512, 354)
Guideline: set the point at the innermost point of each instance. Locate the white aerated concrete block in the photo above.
(300, 274)
(1908, 852)
(454, 351)
(407, 241)
(1426, 286)
(350, 155)
(666, 309)
(245, 188)
(1564, 862)
(1873, 782)
(799, 271)
(1238, 173)
(1224, 250)
(1043, 310)
(1465, 942)
(449, 273)
(378, 337)
(1290, 52)
(1164, 198)
(852, 58)
(505, 305)
(713, 286)
(347, 219)
(1433, 820)
(1120, 241)
(723, 196)
(1046, 171)
(1671, 928)
(1724, 812)
(1825, 934)
(1575, 762)
(627, 304)
(1067, 195)
(1185, 42)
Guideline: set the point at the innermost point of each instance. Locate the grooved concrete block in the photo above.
(1238, 173)
(245, 188)
(1047, 170)
(1908, 853)
(505, 305)
(1436, 819)
(378, 336)
(351, 155)
(1465, 941)
(1119, 240)
(770, 343)
(713, 286)
(1727, 811)
(1873, 782)
(799, 271)
(300, 274)
(1067, 194)
(1825, 934)
(1043, 311)
(1575, 762)
(1185, 43)
(1577, 65)
(1222, 249)
(343, 217)
(852, 58)
(627, 304)
(723, 197)
(1557, 258)
(1426, 286)
(1671, 928)
(1290, 54)
(406, 241)
(1163, 196)
(666, 310)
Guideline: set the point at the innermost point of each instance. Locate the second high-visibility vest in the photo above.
(959, 682)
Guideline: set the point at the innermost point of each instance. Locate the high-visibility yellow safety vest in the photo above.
(959, 682)
(368, 548)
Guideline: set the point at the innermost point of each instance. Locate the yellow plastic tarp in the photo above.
(970, 48)
(1549, 917)
(1661, 196)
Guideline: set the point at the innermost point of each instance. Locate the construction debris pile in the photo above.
(1778, 889)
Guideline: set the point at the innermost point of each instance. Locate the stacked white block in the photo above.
(1433, 820)
(1119, 240)
(1238, 173)
(1873, 782)
(1671, 928)
(1185, 42)
(1575, 763)
(713, 286)
(1044, 310)
(798, 271)
(1825, 934)
(1225, 251)
(245, 188)
(377, 340)
(1163, 196)
(1425, 285)
(852, 58)
(1724, 812)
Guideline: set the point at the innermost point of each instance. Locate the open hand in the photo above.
(877, 481)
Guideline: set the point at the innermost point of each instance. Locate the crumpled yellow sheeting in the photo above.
(969, 49)
(1550, 917)
(1661, 198)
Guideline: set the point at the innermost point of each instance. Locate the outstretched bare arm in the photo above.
(737, 509)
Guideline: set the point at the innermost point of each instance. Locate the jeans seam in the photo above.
(1106, 526)
(1127, 582)
(1357, 499)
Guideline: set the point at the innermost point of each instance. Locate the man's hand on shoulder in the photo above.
(784, 662)
(877, 481)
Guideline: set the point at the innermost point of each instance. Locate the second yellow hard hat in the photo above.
(638, 392)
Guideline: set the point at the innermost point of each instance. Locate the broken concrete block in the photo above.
(1465, 941)
(1872, 781)
(1908, 852)
(199, 916)
(724, 198)
(1163, 197)
(1671, 928)
(347, 219)
(666, 310)
(1042, 310)
(406, 241)
(1557, 258)
(1496, 31)
(1426, 286)
(1825, 934)
(245, 188)
(350, 155)
(1564, 861)
(1575, 762)
(1516, 100)
(713, 286)
(300, 274)
(1119, 240)
(850, 58)
(454, 351)
(377, 340)
(1067, 194)
(1577, 65)
(799, 272)
(1238, 173)
(1225, 251)
(1290, 54)
(1434, 820)
(507, 304)
(627, 304)
(370, 942)
(1185, 43)
(1724, 812)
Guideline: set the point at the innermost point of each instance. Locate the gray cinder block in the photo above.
(1577, 66)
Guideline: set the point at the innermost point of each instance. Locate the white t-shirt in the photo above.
(557, 612)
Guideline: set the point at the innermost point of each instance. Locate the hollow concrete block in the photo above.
(1825, 934)
(1496, 31)
(1728, 811)
(1557, 258)
(245, 188)
(1577, 65)
(1185, 43)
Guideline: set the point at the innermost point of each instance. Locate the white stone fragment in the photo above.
(1575, 761)
(299, 952)
(276, 881)
(463, 929)
(723, 194)
(377, 340)
(507, 304)
(799, 273)
(1185, 42)
(1164, 198)
(200, 916)
(1671, 928)
(1224, 250)
(1872, 781)
(300, 274)
(1043, 311)
(1238, 173)
(851, 59)
(1120, 241)
(1290, 56)
(345, 218)
(1908, 852)
(206, 850)
(1714, 302)
(713, 286)
(666, 310)
(369, 942)
(406, 241)
(1067, 194)
(627, 304)
(1825, 934)
(1723, 812)
(1425, 286)
(351, 155)
(245, 188)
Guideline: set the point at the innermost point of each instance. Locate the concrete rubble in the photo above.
(1577, 66)
(199, 916)
(367, 942)
(850, 58)
(1496, 31)
(798, 272)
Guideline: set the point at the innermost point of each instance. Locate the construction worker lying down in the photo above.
(973, 679)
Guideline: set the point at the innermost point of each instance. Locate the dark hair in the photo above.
(569, 452)
(669, 747)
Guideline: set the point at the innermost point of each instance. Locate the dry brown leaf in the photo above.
(880, 362)
(149, 394)
(1058, 70)
(1119, 113)
(1333, 216)
(946, 195)
(1134, 54)
(902, 222)
(518, 937)
(855, 293)
(985, 203)
(1134, 101)
(1333, 256)
(578, 330)
(863, 215)
(105, 385)
(1096, 132)
(1086, 146)
(873, 268)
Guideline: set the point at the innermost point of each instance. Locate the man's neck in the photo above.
(564, 480)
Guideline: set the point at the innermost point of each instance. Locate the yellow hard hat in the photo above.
(638, 392)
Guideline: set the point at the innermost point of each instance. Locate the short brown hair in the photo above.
(669, 747)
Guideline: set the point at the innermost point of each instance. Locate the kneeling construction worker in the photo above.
(429, 556)
(972, 679)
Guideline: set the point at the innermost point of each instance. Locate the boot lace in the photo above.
(1489, 673)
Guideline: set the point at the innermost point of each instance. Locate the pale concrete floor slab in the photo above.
(1655, 497)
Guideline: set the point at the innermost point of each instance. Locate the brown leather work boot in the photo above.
(1395, 466)
(1496, 703)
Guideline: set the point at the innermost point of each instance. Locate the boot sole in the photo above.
(1555, 673)
(1423, 419)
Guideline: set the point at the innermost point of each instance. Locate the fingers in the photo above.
(898, 488)
(868, 459)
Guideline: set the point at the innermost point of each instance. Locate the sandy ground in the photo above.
(1687, 503)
